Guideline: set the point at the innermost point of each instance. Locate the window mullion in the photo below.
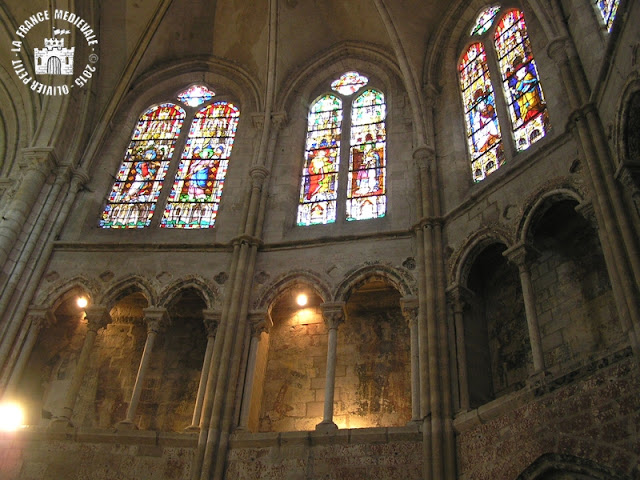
(502, 107)
(345, 157)
(169, 179)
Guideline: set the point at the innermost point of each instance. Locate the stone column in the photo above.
(410, 309)
(333, 314)
(38, 318)
(97, 317)
(519, 255)
(155, 318)
(211, 322)
(458, 298)
(39, 163)
(260, 323)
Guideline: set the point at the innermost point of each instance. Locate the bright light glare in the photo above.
(302, 300)
(11, 417)
(82, 302)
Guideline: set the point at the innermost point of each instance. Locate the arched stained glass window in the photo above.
(135, 191)
(349, 83)
(608, 9)
(195, 196)
(366, 186)
(318, 192)
(484, 20)
(481, 119)
(522, 89)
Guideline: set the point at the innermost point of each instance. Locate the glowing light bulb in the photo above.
(302, 299)
(11, 417)
(82, 302)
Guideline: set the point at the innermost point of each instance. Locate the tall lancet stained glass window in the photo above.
(366, 186)
(481, 120)
(521, 84)
(608, 9)
(195, 196)
(318, 190)
(137, 186)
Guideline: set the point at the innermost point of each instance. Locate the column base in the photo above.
(60, 425)
(192, 428)
(326, 427)
(125, 426)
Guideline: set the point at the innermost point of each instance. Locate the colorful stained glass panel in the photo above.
(196, 95)
(481, 121)
(521, 84)
(197, 190)
(367, 163)
(349, 83)
(608, 9)
(134, 194)
(319, 183)
(485, 20)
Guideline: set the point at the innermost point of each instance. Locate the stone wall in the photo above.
(591, 413)
(33, 455)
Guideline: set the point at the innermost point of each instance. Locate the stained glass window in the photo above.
(484, 20)
(195, 95)
(366, 185)
(195, 196)
(608, 9)
(527, 106)
(349, 83)
(318, 190)
(135, 191)
(481, 120)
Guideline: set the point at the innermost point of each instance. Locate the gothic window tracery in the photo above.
(500, 47)
(322, 176)
(192, 202)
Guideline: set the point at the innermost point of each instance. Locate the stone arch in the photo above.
(303, 83)
(622, 126)
(60, 292)
(396, 277)
(126, 286)
(164, 83)
(466, 255)
(289, 281)
(539, 203)
(551, 466)
(208, 292)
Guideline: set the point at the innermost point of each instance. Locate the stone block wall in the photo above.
(592, 413)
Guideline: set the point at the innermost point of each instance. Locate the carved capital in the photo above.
(40, 317)
(97, 316)
(333, 313)
(79, 178)
(279, 120)
(587, 211)
(257, 120)
(458, 297)
(42, 159)
(247, 240)
(520, 255)
(156, 318)
(260, 322)
(211, 321)
(410, 308)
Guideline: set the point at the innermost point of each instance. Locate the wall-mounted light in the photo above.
(11, 417)
(82, 302)
(302, 299)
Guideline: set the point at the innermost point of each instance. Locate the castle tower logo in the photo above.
(54, 58)
(48, 70)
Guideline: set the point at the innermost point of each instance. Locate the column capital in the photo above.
(279, 120)
(424, 154)
(520, 254)
(333, 313)
(588, 212)
(40, 317)
(260, 321)
(459, 296)
(211, 321)
(410, 307)
(97, 316)
(39, 158)
(156, 318)
(258, 174)
(557, 49)
(79, 178)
